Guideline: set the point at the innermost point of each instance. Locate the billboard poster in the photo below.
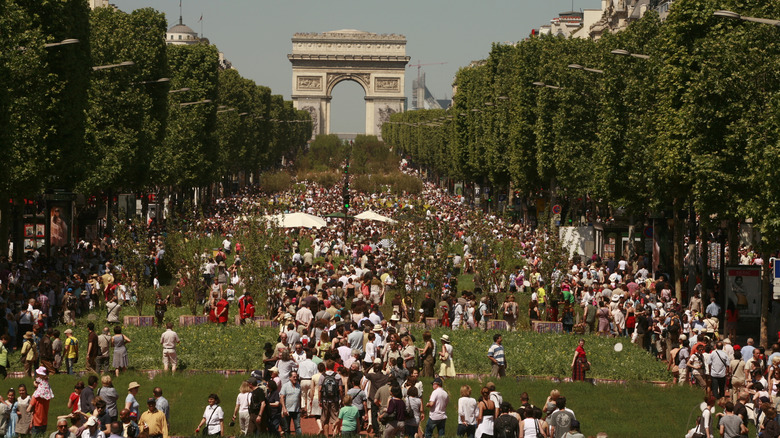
(743, 290)
(40, 231)
(60, 221)
(29, 230)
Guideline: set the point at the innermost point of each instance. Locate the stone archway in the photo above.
(376, 62)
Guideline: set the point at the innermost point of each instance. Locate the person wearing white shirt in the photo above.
(213, 418)
(304, 316)
(467, 412)
(299, 355)
(306, 370)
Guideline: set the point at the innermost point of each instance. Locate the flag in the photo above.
(201, 18)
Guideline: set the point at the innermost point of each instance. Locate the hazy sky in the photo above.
(255, 35)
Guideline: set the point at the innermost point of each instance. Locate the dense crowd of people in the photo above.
(342, 298)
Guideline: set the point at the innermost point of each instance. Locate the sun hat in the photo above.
(68, 332)
(42, 371)
(445, 338)
(28, 335)
(395, 318)
(92, 421)
(378, 360)
(133, 385)
(273, 370)
(378, 328)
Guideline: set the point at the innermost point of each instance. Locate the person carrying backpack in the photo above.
(331, 392)
(506, 425)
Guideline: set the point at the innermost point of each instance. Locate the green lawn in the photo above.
(212, 347)
(635, 410)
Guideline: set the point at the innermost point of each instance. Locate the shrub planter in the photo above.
(139, 321)
(546, 327)
(187, 320)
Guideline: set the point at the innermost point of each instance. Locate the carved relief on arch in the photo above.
(309, 83)
(364, 79)
(387, 85)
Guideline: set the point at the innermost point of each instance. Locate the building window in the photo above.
(179, 36)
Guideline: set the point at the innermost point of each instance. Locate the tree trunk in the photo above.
(733, 243)
(109, 212)
(5, 225)
(631, 231)
(677, 244)
(766, 291)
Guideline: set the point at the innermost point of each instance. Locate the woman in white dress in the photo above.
(314, 396)
(447, 368)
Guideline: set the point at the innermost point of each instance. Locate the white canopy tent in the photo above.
(370, 215)
(296, 220)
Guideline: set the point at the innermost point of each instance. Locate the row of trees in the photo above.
(694, 125)
(65, 125)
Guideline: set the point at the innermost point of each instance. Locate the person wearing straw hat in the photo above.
(131, 403)
(447, 367)
(29, 354)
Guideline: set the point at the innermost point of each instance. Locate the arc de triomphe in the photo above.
(321, 60)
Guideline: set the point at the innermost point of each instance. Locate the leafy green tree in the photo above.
(127, 106)
(41, 101)
(188, 155)
(242, 128)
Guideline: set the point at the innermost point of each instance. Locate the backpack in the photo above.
(330, 387)
(478, 313)
(504, 427)
(74, 345)
(71, 304)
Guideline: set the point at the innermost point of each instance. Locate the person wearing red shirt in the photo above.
(222, 311)
(246, 307)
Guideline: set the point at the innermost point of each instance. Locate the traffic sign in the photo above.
(649, 232)
(556, 209)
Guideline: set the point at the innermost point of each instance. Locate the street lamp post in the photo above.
(155, 81)
(195, 103)
(180, 90)
(622, 52)
(121, 64)
(542, 84)
(591, 70)
(735, 16)
(64, 42)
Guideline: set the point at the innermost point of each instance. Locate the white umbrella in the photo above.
(370, 215)
(296, 220)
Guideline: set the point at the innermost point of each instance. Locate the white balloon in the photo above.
(619, 347)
